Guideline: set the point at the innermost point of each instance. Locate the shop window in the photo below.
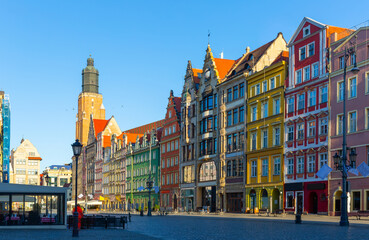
(356, 201)
(289, 200)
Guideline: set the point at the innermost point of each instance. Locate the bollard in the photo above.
(106, 222)
(298, 218)
(129, 216)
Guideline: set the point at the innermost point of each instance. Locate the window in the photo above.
(367, 85)
(277, 166)
(265, 138)
(367, 118)
(302, 53)
(163, 149)
(254, 112)
(339, 124)
(324, 94)
(265, 86)
(235, 116)
(323, 159)
(168, 147)
(290, 166)
(300, 165)
(298, 76)
(277, 106)
(215, 101)
(264, 110)
(229, 142)
(176, 146)
(307, 73)
(300, 131)
(254, 168)
(229, 95)
(306, 31)
(163, 180)
(301, 103)
(340, 91)
(215, 122)
(323, 126)
(264, 167)
(229, 168)
(290, 133)
(342, 62)
(235, 92)
(311, 48)
(253, 141)
(291, 105)
(312, 98)
(272, 83)
(242, 89)
(311, 132)
(352, 87)
(257, 91)
(311, 163)
(356, 201)
(277, 139)
(229, 118)
(352, 122)
(234, 169)
(315, 70)
(174, 128)
(242, 114)
(353, 58)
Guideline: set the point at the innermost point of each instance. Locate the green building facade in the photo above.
(138, 165)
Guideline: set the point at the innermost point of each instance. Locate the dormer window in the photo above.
(306, 31)
(251, 57)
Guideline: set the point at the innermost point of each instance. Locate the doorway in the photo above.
(175, 202)
(275, 200)
(252, 200)
(313, 199)
(299, 202)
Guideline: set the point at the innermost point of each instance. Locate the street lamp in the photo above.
(77, 148)
(149, 183)
(340, 162)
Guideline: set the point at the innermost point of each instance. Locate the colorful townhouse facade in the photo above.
(209, 191)
(188, 139)
(357, 116)
(306, 117)
(143, 164)
(169, 167)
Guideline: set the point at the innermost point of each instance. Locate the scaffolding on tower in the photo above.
(6, 137)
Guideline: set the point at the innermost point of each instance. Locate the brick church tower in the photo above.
(89, 101)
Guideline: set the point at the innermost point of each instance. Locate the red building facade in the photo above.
(306, 117)
(169, 148)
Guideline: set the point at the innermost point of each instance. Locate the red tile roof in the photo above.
(147, 127)
(283, 56)
(99, 125)
(223, 66)
(196, 72)
(106, 141)
(132, 137)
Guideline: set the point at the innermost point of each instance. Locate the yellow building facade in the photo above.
(265, 137)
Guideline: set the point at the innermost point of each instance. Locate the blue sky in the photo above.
(141, 49)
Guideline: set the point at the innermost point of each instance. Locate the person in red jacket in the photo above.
(80, 215)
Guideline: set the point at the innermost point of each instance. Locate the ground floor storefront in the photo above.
(357, 196)
(234, 195)
(139, 201)
(307, 197)
(114, 203)
(187, 199)
(170, 198)
(264, 197)
(206, 198)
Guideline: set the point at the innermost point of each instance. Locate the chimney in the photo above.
(247, 49)
(221, 55)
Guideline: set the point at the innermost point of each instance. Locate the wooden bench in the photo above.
(263, 211)
(362, 214)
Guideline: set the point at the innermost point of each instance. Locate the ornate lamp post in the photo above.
(340, 162)
(149, 183)
(77, 148)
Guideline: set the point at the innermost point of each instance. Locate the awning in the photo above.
(72, 202)
(94, 202)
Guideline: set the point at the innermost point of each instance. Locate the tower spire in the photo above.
(90, 77)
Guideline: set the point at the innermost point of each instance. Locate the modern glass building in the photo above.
(29, 206)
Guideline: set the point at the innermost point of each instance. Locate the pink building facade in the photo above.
(357, 118)
(306, 117)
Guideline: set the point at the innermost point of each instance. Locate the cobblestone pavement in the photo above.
(227, 226)
(203, 227)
